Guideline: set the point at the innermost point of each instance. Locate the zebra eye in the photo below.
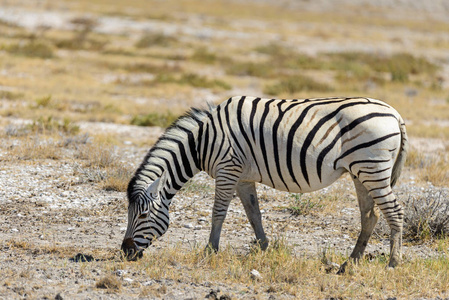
(143, 215)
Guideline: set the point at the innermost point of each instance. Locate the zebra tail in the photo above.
(400, 160)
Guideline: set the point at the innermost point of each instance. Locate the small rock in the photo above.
(212, 295)
(58, 296)
(202, 219)
(255, 274)
(129, 280)
(198, 227)
(189, 226)
(81, 258)
(120, 273)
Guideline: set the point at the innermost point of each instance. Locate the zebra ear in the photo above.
(155, 186)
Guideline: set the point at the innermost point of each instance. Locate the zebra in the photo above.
(299, 145)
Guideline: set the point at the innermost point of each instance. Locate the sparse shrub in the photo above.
(153, 68)
(204, 56)
(193, 80)
(8, 95)
(399, 65)
(84, 26)
(43, 101)
(150, 39)
(31, 49)
(154, 119)
(109, 282)
(50, 125)
(295, 84)
(35, 148)
(426, 216)
(117, 178)
(302, 205)
(263, 70)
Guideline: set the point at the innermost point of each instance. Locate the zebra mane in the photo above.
(187, 122)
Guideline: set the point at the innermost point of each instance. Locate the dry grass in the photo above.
(284, 273)
(433, 168)
(56, 78)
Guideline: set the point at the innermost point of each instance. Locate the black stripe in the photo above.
(391, 192)
(364, 145)
(372, 172)
(344, 130)
(175, 162)
(206, 146)
(222, 135)
(375, 180)
(243, 132)
(192, 146)
(372, 161)
(276, 125)
(212, 144)
(198, 146)
(309, 139)
(262, 140)
(254, 104)
(184, 158)
(292, 132)
(228, 123)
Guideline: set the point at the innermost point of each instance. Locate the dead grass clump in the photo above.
(110, 283)
(31, 49)
(426, 216)
(32, 148)
(9, 95)
(262, 69)
(155, 119)
(303, 205)
(150, 39)
(49, 125)
(432, 168)
(117, 178)
(193, 80)
(101, 164)
(296, 84)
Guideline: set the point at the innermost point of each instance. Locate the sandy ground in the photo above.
(50, 211)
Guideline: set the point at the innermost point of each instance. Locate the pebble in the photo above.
(189, 226)
(255, 274)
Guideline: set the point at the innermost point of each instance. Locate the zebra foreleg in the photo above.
(369, 214)
(248, 195)
(224, 190)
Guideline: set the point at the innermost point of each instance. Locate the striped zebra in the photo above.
(291, 145)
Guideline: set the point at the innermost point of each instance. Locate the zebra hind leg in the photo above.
(369, 214)
(383, 196)
(248, 195)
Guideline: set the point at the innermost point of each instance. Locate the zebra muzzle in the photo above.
(130, 251)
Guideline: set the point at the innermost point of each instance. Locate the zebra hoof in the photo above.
(342, 269)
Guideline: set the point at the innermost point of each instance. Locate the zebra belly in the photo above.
(289, 185)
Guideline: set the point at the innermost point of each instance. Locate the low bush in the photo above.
(154, 119)
(150, 39)
(31, 49)
(193, 80)
(295, 84)
(426, 216)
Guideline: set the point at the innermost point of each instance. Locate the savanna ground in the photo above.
(87, 86)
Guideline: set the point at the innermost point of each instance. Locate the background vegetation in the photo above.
(127, 64)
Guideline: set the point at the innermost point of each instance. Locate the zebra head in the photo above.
(147, 220)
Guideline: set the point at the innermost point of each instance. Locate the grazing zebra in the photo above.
(292, 145)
